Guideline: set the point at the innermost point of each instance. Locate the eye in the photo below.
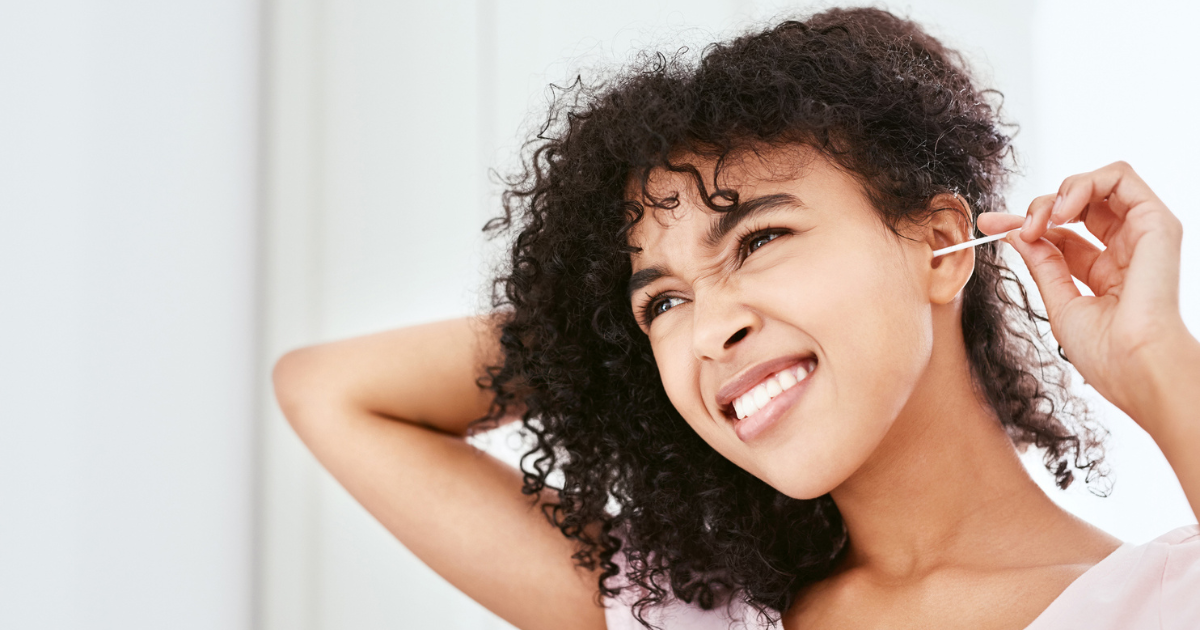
(659, 305)
(665, 304)
(756, 240)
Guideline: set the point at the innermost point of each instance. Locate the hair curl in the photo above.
(879, 97)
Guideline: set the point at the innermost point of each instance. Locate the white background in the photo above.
(188, 189)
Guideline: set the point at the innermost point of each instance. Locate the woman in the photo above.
(756, 393)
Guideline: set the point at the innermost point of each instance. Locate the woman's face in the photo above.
(789, 333)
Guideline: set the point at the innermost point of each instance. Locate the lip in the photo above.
(753, 375)
(755, 424)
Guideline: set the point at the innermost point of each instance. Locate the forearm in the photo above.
(423, 374)
(1172, 411)
(357, 405)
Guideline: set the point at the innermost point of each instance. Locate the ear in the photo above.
(949, 223)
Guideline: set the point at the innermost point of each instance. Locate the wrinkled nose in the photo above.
(720, 323)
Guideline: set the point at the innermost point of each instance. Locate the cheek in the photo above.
(864, 310)
(680, 374)
(893, 351)
(678, 371)
(874, 335)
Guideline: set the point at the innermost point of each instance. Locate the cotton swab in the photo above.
(971, 243)
(979, 241)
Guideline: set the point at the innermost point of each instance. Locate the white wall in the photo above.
(372, 209)
(127, 313)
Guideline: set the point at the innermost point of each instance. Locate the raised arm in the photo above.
(1128, 340)
(386, 415)
(1172, 411)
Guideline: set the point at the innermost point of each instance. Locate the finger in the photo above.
(1079, 254)
(997, 222)
(1117, 183)
(1037, 218)
(1152, 262)
(1050, 272)
(1100, 220)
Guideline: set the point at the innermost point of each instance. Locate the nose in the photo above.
(720, 323)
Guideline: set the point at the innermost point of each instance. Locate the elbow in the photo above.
(293, 379)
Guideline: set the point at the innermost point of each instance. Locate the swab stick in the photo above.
(971, 243)
(979, 241)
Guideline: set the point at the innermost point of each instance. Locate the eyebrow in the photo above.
(718, 231)
(742, 211)
(643, 278)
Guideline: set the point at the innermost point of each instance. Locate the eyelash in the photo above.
(647, 313)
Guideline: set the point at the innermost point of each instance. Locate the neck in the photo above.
(945, 486)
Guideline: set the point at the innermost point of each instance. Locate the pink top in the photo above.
(1155, 585)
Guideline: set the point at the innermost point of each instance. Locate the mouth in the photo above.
(754, 401)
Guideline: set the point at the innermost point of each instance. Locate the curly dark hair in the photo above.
(880, 98)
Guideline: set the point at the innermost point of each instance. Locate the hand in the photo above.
(1116, 338)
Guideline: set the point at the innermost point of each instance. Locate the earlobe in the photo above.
(949, 224)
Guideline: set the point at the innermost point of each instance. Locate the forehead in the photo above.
(668, 195)
(673, 201)
(736, 169)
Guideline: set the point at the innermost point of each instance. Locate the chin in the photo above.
(805, 489)
(804, 481)
(813, 464)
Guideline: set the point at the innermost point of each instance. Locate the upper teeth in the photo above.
(772, 386)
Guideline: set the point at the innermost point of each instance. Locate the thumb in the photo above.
(1049, 270)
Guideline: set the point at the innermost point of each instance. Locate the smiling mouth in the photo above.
(766, 390)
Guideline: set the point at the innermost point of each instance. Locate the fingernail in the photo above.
(1028, 222)
(1057, 203)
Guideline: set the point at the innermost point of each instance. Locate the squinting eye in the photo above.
(663, 305)
(759, 240)
(658, 306)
